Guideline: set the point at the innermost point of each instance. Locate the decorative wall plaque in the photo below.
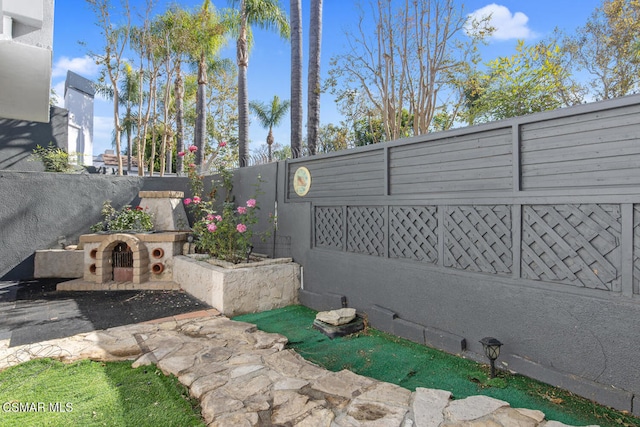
(302, 181)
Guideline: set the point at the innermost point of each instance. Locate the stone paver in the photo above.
(245, 377)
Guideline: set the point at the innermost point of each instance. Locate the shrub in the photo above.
(53, 158)
(126, 219)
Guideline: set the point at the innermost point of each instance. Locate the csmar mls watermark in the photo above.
(16, 406)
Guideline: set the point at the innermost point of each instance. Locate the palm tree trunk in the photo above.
(313, 95)
(139, 145)
(270, 142)
(154, 134)
(296, 79)
(243, 100)
(201, 113)
(129, 145)
(179, 95)
(118, 130)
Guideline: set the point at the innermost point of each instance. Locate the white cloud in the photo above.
(507, 25)
(84, 66)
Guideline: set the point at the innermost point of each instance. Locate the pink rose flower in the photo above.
(241, 228)
(193, 148)
(218, 218)
(187, 201)
(222, 144)
(196, 199)
(181, 153)
(251, 203)
(212, 227)
(242, 210)
(210, 217)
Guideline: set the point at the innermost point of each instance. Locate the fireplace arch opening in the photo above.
(122, 261)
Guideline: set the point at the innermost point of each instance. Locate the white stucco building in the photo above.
(78, 100)
(26, 46)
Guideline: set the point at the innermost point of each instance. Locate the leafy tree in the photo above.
(607, 48)
(269, 116)
(279, 152)
(368, 130)
(296, 77)
(527, 82)
(223, 108)
(401, 62)
(265, 14)
(313, 80)
(282, 153)
(333, 138)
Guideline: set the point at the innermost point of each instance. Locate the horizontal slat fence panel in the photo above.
(596, 149)
(478, 161)
(353, 174)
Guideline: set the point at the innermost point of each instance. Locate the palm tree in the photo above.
(129, 96)
(180, 23)
(265, 14)
(313, 80)
(208, 38)
(270, 116)
(296, 77)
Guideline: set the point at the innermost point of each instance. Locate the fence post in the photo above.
(626, 248)
(515, 141)
(516, 238)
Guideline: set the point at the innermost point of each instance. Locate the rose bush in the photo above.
(227, 234)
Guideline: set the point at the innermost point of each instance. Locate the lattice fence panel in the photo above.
(329, 227)
(365, 227)
(636, 248)
(573, 244)
(413, 233)
(478, 238)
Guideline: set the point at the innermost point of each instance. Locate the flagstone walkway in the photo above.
(245, 377)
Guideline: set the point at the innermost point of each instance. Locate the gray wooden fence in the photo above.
(550, 197)
(526, 229)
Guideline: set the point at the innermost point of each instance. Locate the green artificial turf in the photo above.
(388, 358)
(45, 392)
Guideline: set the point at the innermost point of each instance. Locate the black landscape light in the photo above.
(491, 348)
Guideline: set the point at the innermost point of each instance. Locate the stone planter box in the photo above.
(242, 288)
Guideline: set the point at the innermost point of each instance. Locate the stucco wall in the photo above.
(18, 138)
(40, 208)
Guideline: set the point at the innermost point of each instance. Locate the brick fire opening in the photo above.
(122, 261)
(121, 258)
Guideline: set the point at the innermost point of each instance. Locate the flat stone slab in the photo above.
(337, 317)
(243, 376)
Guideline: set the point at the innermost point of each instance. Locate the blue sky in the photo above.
(269, 61)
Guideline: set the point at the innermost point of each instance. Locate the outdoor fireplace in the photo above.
(134, 258)
(131, 257)
(115, 257)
